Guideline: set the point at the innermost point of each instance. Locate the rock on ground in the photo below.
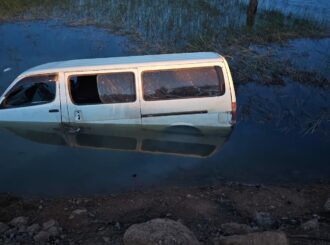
(32, 229)
(54, 231)
(257, 238)
(50, 223)
(264, 219)
(19, 221)
(235, 228)
(310, 225)
(3, 227)
(42, 237)
(159, 231)
(327, 205)
(78, 212)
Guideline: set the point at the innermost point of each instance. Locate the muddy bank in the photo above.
(300, 212)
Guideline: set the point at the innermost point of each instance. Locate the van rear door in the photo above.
(194, 95)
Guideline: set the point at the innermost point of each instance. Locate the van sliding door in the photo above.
(106, 97)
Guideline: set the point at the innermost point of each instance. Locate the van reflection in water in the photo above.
(181, 141)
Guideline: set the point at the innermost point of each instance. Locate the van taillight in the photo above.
(233, 112)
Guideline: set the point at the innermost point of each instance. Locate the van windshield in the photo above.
(31, 91)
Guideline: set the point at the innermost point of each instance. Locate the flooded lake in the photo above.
(273, 142)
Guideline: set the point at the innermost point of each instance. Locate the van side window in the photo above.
(31, 91)
(116, 87)
(103, 88)
(84, 90)
(183, 83)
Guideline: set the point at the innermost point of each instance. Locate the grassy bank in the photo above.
(183, 26)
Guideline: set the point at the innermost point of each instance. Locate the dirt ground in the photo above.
(104, 219)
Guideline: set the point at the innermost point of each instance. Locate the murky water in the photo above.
(24, 45)
(271, 142)
(308, 55)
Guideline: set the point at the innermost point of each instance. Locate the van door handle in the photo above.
(54, 110)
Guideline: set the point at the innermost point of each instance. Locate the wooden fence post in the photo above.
(251, 13)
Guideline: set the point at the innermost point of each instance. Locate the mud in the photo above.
(104, 219)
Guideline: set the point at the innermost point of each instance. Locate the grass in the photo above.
(197, 25)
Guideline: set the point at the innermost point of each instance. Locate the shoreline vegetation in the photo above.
(197, 25)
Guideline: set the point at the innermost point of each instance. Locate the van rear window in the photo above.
(183, 83)
(103, 88)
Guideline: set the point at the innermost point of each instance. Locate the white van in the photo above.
(189, 89)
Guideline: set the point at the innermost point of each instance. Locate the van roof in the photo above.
(121, 62)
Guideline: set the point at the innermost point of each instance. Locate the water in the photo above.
(253, 154)
(27, 44)
(314, 9)
(311, 55)
(270, 144)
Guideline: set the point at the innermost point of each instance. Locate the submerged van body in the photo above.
(189, 89)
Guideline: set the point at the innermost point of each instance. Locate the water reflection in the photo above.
(36, 160)
(183, 141)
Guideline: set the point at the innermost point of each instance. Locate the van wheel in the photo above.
(186, 130)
